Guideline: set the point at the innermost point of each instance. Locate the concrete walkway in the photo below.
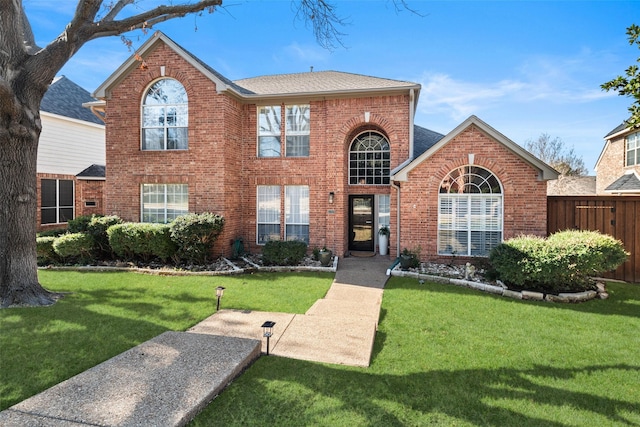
(169, 379)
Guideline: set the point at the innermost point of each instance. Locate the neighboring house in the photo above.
(324, 157)
(71, 156)
(618, 167)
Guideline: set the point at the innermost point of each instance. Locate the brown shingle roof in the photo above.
(318, 82)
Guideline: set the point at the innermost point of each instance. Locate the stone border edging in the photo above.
(564, 297)
(170, 272)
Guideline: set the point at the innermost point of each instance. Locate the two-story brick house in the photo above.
(325, 157)
(618, 166)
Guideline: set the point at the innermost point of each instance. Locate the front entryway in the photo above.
(361, 223)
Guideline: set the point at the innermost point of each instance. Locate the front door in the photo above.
(361, 223)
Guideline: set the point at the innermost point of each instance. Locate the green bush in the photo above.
(195, 235)
(97, 228)
(44, 249)
(55, 232)
(563, 262)
(74, 247)
(277, 252)
(79, 224)
(141, 241)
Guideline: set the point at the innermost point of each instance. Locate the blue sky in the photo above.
(524, 67)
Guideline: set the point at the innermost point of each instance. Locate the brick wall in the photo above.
(524, 196)
(84, 190)
(221, 165)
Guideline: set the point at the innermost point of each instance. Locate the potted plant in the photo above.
(383, 239)
(408, 259)
(325, 256)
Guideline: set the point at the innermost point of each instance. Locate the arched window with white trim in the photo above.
(165, 116)
(369, 159)
(470, 212)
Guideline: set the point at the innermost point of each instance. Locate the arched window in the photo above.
(165, 116)
(369, 159)
(469, 212)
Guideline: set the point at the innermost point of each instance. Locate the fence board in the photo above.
(613, 215)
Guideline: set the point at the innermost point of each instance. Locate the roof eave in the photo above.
(546, 172)
(325, 94)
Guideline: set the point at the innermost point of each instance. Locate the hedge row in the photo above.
(189, 238)
(564, 261)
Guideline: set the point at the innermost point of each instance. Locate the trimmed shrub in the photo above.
(97, 228)
(563, 262)
(79, 224)
(44, 249)
(277, 252)
(195, 235)
(74, 247)
(141, 241)
(55, 232)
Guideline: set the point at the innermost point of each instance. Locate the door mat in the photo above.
(362, 254)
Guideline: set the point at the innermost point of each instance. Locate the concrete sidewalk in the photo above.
(169, 379)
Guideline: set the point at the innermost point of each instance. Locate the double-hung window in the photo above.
(164, 202)
(469, 212)
(296, 209)
(165, 116)
(56, 201)
(633, 149)
(268, 213)
(295, 132)
(270, 218)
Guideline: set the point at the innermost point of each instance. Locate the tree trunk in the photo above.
(19, 134)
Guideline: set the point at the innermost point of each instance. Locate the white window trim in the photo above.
(142, 127)
(165, 208)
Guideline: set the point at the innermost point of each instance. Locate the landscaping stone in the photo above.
(535, 296)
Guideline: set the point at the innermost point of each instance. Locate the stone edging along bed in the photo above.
(566, 297)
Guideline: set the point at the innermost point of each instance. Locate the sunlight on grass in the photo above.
(452, 356)
(105, 314)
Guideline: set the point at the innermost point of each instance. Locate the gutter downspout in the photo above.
(412, 112)
(397, 188)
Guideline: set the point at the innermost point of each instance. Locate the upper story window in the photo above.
(165, 116)
(633, 149)
(369, 159)
(295, 133)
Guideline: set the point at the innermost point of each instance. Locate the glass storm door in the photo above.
(361, 223)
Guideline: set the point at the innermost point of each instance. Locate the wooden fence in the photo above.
(613, 215)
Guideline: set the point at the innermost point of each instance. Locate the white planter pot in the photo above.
(383, 243)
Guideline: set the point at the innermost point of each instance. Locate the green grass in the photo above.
(456, 357)
(105, 314)
(443, 355)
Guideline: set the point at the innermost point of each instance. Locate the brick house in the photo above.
(326, 157)
(618, 166)
(71, 156)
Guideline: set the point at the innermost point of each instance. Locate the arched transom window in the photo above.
(369, 159)
(165, 116)
(469, 212)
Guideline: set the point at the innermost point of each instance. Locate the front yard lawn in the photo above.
(443, 355)
(456, 357)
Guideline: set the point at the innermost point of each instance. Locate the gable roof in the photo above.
(627, 183)
(546, 171)
(423, 139)
(321, 83)
(65, 98)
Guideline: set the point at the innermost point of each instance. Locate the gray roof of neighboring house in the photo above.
(317, 81)
(626, 183)
(93, 171)
(65, 98)
(423, 139)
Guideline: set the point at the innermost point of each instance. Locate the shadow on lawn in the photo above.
(54, 343)
(478, 396)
